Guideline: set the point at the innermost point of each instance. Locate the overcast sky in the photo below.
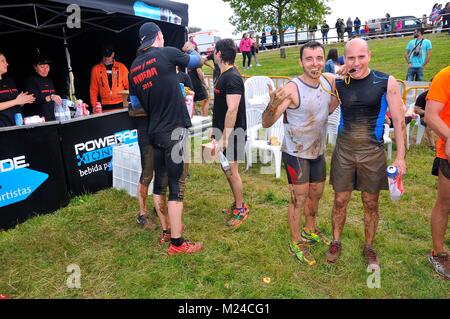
(214, 14)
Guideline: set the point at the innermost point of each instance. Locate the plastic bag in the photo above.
(62, 111)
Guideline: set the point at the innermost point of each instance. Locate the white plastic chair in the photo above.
(257, 92)
(387, 141)
(420, 130)
(253, 142)
(333, 125)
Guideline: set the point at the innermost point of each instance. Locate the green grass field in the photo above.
(120, 260)
(387, 56)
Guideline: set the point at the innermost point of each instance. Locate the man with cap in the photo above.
(155, 86)
(108, 78)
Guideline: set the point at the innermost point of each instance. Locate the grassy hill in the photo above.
(387, 56)
(120, 260)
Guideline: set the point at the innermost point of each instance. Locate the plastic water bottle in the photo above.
(224, 161)
(395, 183)
(18, 119)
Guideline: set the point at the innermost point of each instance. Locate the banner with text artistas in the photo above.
(32, 178)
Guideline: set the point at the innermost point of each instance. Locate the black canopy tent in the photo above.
(26, 26)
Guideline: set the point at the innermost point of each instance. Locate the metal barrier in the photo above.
(412, 92)
(402, 87)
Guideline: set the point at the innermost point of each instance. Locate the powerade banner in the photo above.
(32, 178)
(160, 10)
(87, 146)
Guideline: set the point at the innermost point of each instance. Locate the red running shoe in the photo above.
(186, 248)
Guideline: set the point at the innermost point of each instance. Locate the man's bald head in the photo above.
(357, 57)
(356, 43)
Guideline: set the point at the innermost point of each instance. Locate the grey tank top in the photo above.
(305, 127)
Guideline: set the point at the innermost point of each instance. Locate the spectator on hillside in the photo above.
(424, 21)
(357, 25)
(254, 49)
(274, 35)
(325, 28)
(367, 30)
(312, 28)
(332, 61)
(378, 27)
(435, 14)
(417, 55)
(399, 27)
(445, 13)
(388, 24)
(349, 28)
(263, 41)
(340, 29)
(245, 47)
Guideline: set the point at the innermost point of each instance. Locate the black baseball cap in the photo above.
(41, 59)
(148, 33)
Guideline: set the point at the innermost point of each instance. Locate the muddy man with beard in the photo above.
(305, 104)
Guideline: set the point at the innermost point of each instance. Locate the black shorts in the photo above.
(168, 159)
(146, 150)
(200, 92)
(301, 171)
(442, 165)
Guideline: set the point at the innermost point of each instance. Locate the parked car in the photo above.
(206, 40)
(410, 23)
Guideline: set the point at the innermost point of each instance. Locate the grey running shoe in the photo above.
(440, 264)
(145, 222)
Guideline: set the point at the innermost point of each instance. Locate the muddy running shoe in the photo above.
(229, 210)
(301, 253)
(239, 215)
(164, 238)
(315, 237)
(371, 256)
(145, 222)
(334, 251)
(186, 248)
(440, 264)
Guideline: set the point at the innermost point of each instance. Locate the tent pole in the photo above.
(69, 67)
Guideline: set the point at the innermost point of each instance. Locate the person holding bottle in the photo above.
(229, 120)
(359, 159)
(10, 98)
